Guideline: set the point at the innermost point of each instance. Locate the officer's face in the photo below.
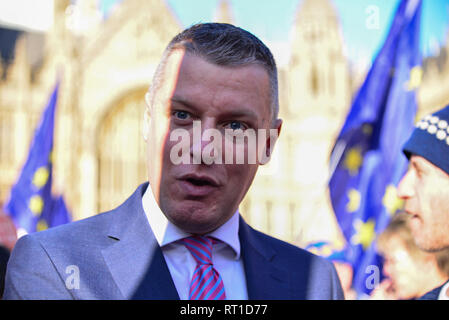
(425, 189)
(404, 269)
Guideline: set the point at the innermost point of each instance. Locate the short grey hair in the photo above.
(224, 45)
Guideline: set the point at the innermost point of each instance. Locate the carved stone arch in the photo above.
(121, 149)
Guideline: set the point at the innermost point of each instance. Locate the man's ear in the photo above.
(278, 125)
(273, 135)
(146, 117)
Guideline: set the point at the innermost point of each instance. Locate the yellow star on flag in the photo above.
(391, 201)
(41, 225)
(354, 201)
(416, 75)
(40, 177)
(36, 205)
(339, 244)
(364, 234)
(353, 160)
(326, 251)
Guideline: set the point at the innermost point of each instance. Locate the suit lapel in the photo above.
(135, 260)
(265, 280)
(138, 267)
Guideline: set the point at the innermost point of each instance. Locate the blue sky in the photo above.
(272, 20)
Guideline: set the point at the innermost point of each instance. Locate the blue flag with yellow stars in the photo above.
(366, 162)
(31, 204)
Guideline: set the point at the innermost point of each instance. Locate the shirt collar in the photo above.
(167, 233)
(443, 292)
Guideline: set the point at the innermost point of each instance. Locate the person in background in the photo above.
(425, 186)
(410, 272)
(8, 238)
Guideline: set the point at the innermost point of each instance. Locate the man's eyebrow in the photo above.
(184, 102)
(240, 113)
(231, 113)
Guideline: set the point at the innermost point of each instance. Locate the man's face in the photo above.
(404, 271)
(199, 198)
(425, 189)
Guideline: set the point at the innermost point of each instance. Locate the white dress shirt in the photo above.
(225, 256)
(444, 292)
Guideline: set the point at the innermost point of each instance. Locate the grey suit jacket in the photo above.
(115, 255)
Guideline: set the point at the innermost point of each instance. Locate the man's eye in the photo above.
(181, 115)
(235, 125)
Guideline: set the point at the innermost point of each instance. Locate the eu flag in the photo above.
(367, 162)
(31, 204)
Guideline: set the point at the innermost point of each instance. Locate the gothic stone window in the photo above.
(121, 151)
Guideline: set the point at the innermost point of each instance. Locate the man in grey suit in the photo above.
(181, 236)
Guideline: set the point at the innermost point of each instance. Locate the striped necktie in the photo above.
(206, 283)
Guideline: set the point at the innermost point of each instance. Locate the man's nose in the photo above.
(205, 135)
(405, 189)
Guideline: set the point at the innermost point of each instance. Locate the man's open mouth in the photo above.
(198, 185)
(199, 182)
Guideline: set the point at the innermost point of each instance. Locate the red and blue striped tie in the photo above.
(206, 283)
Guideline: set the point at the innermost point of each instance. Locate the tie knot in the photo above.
(200, 247)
